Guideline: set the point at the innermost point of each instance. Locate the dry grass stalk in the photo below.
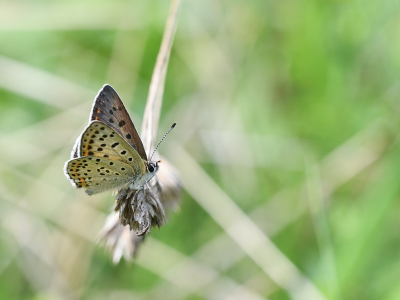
(144, 209)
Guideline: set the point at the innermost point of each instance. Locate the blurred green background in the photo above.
(287, 143)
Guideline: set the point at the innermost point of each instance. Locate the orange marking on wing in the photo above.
(85, 153)
(74, 170)
(82, 181)
(98, 110)
(86, 146)
(97, 118)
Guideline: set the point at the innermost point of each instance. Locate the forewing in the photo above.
(102, 141)
(109, 109)
(98, 174)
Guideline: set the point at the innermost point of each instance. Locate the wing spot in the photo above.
(101, 139)
(114, 145)
(96, 132)
(128, 136)
(111, 120)
(111, 135)
(130, 158)
(105, 155)
(98, 159)
(114, 108)
(107, 171)
(103, 145)
(99, 149)
(111, 163)
(123, 152)
(105, 136)
(98, 110)
(102, 174)
(121, 123)
(111, 112)
(122, 169)
(116, 173)
(91, 153)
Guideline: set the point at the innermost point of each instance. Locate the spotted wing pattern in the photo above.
(109, 109)
(105, 160)
(99, 174)
(100, 140)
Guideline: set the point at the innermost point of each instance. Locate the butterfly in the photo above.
(109, 155)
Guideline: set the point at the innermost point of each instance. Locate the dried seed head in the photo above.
(136, 211)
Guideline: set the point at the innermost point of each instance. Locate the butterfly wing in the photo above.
(109, 109)
(103, 152)
(99, 174)
(100, 140)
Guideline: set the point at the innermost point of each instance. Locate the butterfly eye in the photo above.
(150, 168)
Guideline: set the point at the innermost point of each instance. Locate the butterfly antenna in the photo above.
(172, 127)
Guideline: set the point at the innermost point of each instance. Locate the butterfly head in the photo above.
(152, 166)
